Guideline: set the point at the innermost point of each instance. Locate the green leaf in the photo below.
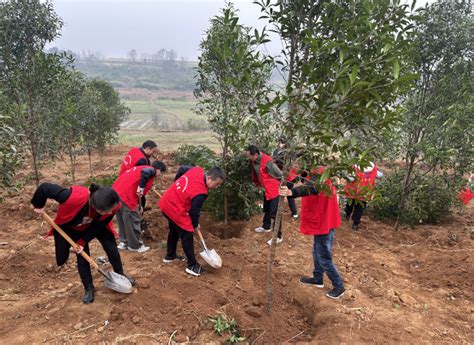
(395, 68)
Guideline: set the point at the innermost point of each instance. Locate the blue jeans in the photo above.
(322, 256)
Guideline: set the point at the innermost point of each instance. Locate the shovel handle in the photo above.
(157, 193)
(56, 227)
(201, 239)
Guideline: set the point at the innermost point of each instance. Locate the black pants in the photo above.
(106, 239)
(187, 241)
(270, 208)
(291, 200)
(356, 208)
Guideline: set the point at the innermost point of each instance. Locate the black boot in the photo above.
(88, 295)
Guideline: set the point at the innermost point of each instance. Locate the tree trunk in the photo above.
(89, 153)
(403, 196)
(34, 154)
(73, 164)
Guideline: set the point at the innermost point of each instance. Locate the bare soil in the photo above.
(407, 286)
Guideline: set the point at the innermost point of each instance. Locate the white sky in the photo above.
(114, 27)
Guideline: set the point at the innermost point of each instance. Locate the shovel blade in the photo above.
(118, 282)
(212, 258)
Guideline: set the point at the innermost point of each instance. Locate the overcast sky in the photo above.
(114, 27)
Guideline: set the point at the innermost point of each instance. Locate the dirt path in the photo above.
(409, 286)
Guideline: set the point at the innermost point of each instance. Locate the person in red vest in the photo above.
(181, 204)
(84, 214)
(319, 217)
(467, 193)
(359, 190)
(265, 173)
(131, 187)
(138, 156)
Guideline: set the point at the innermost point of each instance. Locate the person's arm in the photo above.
(273, 170)
(142, 161)
(145, 175)
(47, 191)
(195, 211)
(304, 190)
(181, 171)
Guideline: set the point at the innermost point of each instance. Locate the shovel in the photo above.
(112, 280)
(210, 256)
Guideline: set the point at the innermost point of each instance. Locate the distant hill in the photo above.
(148, 74)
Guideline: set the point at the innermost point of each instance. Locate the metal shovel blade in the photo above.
(118, 283)
(212, 258)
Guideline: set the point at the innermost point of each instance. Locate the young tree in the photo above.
(438, 117)
(232, 77)
(343, 65)
(111, 112)
(27, 74)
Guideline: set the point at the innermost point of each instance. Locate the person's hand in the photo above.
(38, 210)
(197, 227)
(284, 191)
(140, 191)
(78, 249)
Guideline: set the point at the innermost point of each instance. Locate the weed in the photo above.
(223, 324)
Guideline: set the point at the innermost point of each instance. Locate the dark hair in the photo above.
(159, 165)
(252, 149)
(103, 198)
(149, 143)
(282, 139)
(216, 173)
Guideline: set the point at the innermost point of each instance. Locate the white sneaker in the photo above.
(261, 229)
(142, 249)
(279, 240)
(122, 246)
(295, 216)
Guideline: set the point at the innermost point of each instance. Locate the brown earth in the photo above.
(410, 286)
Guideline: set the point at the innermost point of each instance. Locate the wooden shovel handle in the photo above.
(201, 239)
(157, 193)
(72, 243)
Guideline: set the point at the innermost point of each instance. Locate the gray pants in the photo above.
(129, 223)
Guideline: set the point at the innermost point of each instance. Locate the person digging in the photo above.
(138, 156)
(131, 186)
(83, 214)
(264, 174)
(181, 204)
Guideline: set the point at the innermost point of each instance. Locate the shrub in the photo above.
(429, 200)
(194, 155)
(106, 181)
(242, 195)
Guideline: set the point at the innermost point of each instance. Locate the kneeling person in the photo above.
(181, 204)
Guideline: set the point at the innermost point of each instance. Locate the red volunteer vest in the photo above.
(320, 213)
(363, 186)
(270, 184)
(76, 201)
(465, 195)
(176, 200)
(126, 186)
(131, 158)
(292, 174)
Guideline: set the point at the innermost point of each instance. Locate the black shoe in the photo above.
(336, 293)
(88, 295)
(355, 227)
(312, 281)
(195, 270)
(169, 259)
(130, 279)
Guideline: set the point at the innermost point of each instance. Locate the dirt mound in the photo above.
(402, 286)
